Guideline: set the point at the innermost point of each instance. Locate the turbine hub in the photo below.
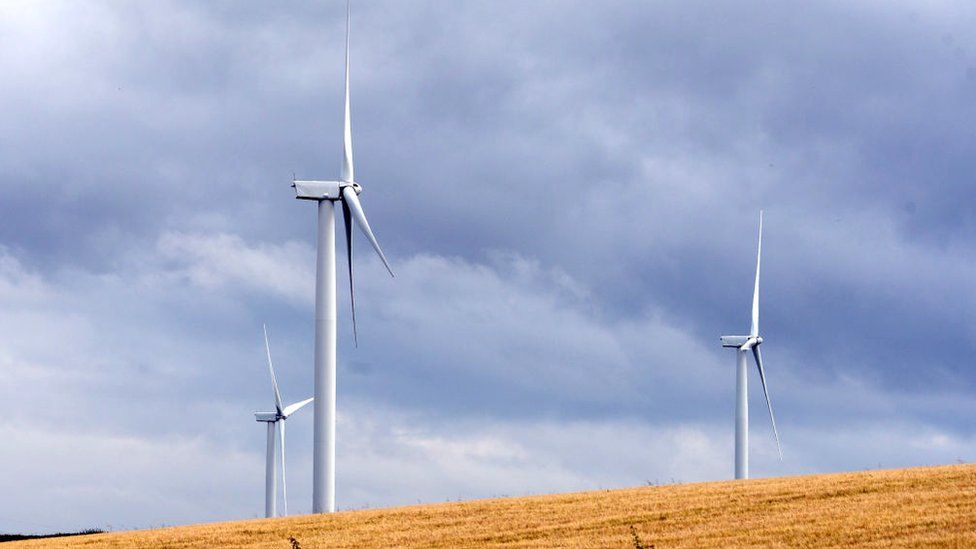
(355, 186)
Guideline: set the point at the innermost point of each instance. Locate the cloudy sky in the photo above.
(569, 193)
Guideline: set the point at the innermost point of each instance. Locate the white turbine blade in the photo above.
(350, 198)
(292, 408)
(284, 483)
(347, 169)
(347, 221)
(769, 405)
(755, 294)
(274, 380)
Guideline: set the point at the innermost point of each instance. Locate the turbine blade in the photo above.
(769, 405)
(755, 294)
(349, 197)
(284, 483)
(292, 408)
(347, 168)
(274, 380)
(347, 220)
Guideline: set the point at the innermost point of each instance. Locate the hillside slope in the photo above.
(921, 506)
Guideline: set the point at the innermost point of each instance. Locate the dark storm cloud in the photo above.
(644, 140)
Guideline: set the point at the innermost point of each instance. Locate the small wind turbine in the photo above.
(744, 344)
(276, 422)
(327, 193)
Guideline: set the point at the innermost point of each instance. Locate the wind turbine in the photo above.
(326, 194)
(276, 422)
(744, 344)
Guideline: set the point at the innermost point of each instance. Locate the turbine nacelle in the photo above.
(734, 341)
(322, 190)
(267, 417)
(743, 343)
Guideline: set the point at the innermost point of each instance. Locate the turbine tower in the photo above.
(345, 191)
(276, 431)
(744, 344)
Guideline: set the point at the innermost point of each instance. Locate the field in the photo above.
(911, 507)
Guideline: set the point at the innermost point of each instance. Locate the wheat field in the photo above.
(929, 506)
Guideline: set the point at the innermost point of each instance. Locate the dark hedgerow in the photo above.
(18, 537)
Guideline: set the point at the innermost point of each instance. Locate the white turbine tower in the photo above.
(327, 193)
(744, 344)
(276, 433)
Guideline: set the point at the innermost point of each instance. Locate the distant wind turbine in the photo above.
(276, 422)
(327, 193)
(744, 344)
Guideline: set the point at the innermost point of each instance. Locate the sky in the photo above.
(569, 194)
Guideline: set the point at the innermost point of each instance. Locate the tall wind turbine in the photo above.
(276, 431)
(327, 193)
(744, 344)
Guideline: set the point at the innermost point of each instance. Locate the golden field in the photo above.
(928, 506)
